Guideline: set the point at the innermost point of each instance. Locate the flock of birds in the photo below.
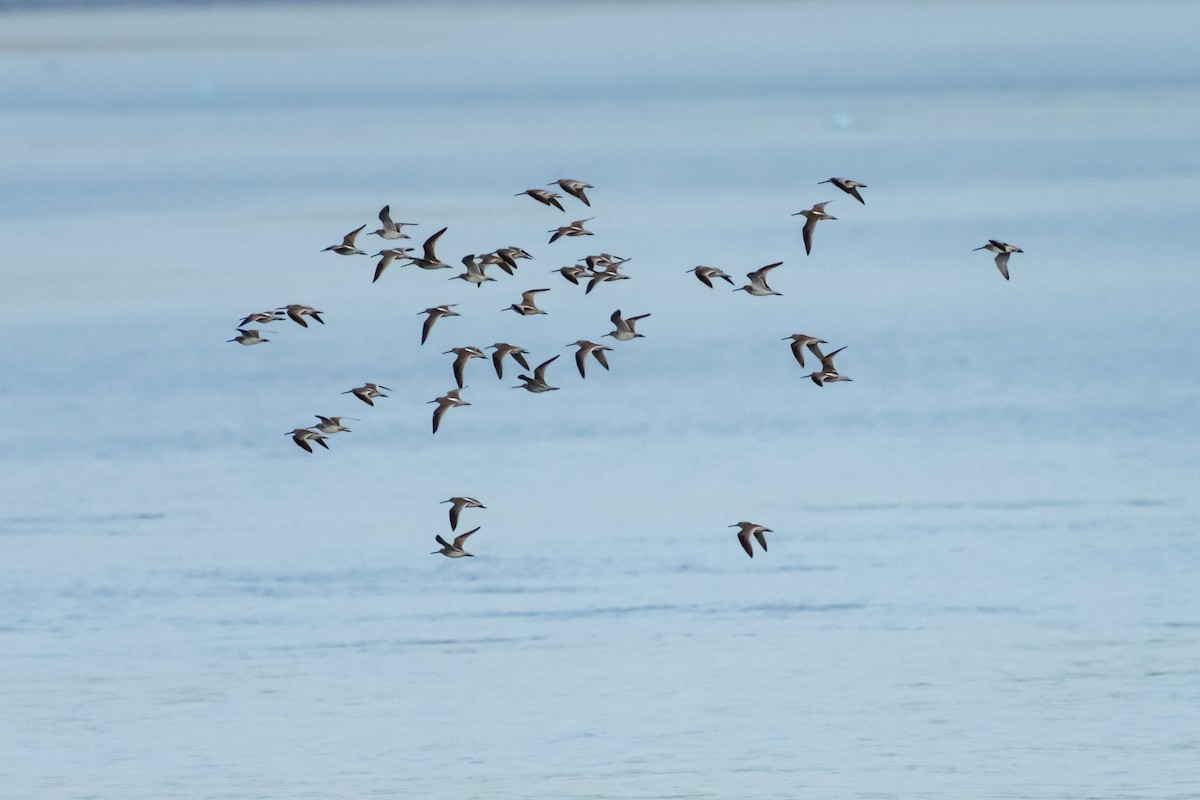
(590, 272)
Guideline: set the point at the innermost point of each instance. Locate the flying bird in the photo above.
(462, 356)
(528, 306)
(706, 274)
(800, 341)
(543, 196)
(848, 186)
(503, 350)
(458, 504)
(587, 347)
(247, 337)
(390, 230)
(447, 401)
(749, 529)
(435, 313)
(429, 259)
(347, 247)
(302, 437)
(1002, 251)
(453, 550)
(625, 327)
(758, 282)
(574, 229)
(368, 392)
(812, 216)
(573, 188)
(537, 383)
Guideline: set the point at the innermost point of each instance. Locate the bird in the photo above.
(390, 230)
(758, 282)
(573, 273)
(573, 188)
(368, 392)
(812, 216)
(429, 259)
(347, 247)
(331, 424)
(848, 186)
(435, 313)
(537, 383)
(585, 347)
(447, 401)
(706, 274)
(625, 331)
(1002, 251)
(527, 307)
(463, 355)
(475, 271)
(603, 276)
(800, 341)
(749, 529)
(302, 437)
(574, 229)
(458, 504)
(453, 550)
(503, 350)
(386, 257)
(828, 372)
(544, 196)
(260, 318)
(297, 312)
(248, 336)
(507, 258)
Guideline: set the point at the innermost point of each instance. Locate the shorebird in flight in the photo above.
(247, 337)
(573, 273)
(331, 425)
(758, 282)
(297, 312)
(812, 216)
(475, 271)
(828, 372)
(368, 392)
(435, 313)
(749, 529)
(800, 341)
(453, 550)
(302, 437)
(386, 257)
(447, 401)
(462, 356)
(429, 259)
(390, 230)
(706, 274)
(574, 229)
(503, 350)
(625, 327)
(588, 347)
(458, 504)
(1002, 251)
(848, 186)
(528, 306)
(347, 247)
(260, 318)
(543, 196)
(573, 188)
(537, 383)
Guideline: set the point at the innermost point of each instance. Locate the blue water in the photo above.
(981, 573)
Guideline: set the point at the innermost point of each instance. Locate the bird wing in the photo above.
(758, 534)
(458, 540)
(427, 326)
(431, 245)
(853, 192)
(744, 538)
(539, 372)
(455, 507)
(1002, 264)
(809, 224)
(599, 354)
(385, 218)
(348, 239)
(437, 414)
(798, 351)
(519, 357)
(580, 357)
(302, 440)
(704, 277)
(459, 361)
(444, 543)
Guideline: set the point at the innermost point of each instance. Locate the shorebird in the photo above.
(848, 186)
(537, 383)
(368, 392)
(260, 318)
(296, 313)
(749, 529)
(573, 273)
(800, 341)
(462, 356)
(603, 276)
(390, 230)
(302, 437)
(527, 307)
(429, 259)
(625, 331)
(331, 424)
(386, 257)
(544, 197)
(758, 282)
(347, 247)
(828, 372)
(449, 400)
(475, 271)
(812, 216)
(459, 503)
(706, 274)
(453, 550)
(586, 347)
(573, 188)
(503, 350)
(435, 313)
(574, 229)
(247, 337)
(1002, 251)
(508, 257)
